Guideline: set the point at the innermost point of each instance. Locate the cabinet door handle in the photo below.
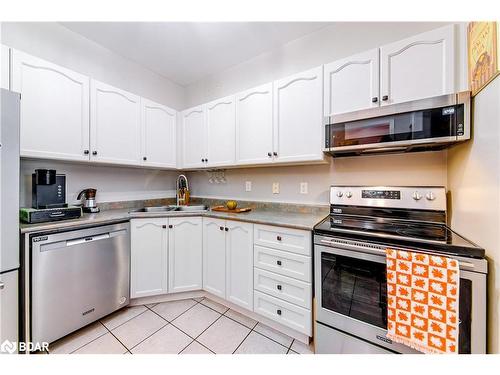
(278, 286)
(374, 99)
(86, 152)
(278, 238)
(144, 158)
(170, 226)
(278, 312)
(275, 153)
(278, 262)
(206, 160)
(385, 97)
(226, 229)
(2, 285)
(164, 226)
(269, 154)
(94, 153)
(221, 228)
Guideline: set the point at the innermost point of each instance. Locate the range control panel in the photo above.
(409, 197)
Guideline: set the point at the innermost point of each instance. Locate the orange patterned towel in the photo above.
(422, 301)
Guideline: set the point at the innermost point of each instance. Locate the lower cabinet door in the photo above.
(290, 315)
(148, 273)
(214, 256)
(185, 242)
(239, 263)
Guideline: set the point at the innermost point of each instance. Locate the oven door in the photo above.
(351, 296)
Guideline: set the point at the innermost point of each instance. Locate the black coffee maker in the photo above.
(48, 189)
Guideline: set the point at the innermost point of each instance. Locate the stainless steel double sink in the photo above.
(173, 209)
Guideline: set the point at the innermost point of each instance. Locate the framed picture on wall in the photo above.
(483, 61)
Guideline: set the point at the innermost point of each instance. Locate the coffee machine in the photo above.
(48, 189)
(89, 204)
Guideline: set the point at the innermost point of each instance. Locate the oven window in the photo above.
(355, 288)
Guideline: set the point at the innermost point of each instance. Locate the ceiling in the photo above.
(186, 52)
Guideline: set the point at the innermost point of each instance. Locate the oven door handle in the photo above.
(372, 249)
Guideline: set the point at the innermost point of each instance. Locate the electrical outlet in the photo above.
(276, 187)
(303, 188)
(248, 186)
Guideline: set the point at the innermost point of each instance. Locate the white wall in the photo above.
(474, 185)
(112, 183)
(320, 47)
(55, 43)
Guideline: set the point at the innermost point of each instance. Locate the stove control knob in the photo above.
(339, 194)
(416, 196)
(430, 196)
(348, 194)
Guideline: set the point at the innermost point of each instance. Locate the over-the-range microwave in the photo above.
(431, 123)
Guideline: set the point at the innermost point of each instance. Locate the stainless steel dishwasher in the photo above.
(78, 276)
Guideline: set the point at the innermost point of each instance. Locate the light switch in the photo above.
(248, 186)
(303, 188)
(276, 187)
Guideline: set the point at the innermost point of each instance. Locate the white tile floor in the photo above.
(190, 326)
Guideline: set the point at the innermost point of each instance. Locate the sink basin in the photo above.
(173, 209)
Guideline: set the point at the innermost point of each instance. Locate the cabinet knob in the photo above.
(275, 153)
(221, 228)
(2, 285)
(278, 238)
(278, 262)
(385, 97)
(94, 153)
(278, 312)
(144, 158)
(269, 154)
(374, 99)
(170, 226)
(206, 160)
(164, 226)
(278, 286)
(226, 229)
(202, 160)
(86, 152)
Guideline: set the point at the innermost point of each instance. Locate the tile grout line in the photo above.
(126, 321)
(112, 334)
(85, 343)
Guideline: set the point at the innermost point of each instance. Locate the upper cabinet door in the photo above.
(54, 110)
(214, 256)
(418, 67)
(115, 125)
(254, 125)
(352, 84)
(221, 126)
(158, 135)
(239, 263)
(185, 243)
(194, 138)
(298, 117)
(5, 65)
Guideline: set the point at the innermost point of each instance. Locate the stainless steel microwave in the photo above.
(431, 123)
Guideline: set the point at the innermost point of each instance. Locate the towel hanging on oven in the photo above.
(422, 299)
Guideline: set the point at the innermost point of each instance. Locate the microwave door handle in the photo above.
(88, 239)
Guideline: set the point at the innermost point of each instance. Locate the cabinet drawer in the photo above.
(283, 312)
(283, 263)
(286, 288)
(294, 240)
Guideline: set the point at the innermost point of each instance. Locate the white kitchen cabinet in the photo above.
(239, 263)
(220, 132)
(254, 125)
(149, 257)
(194, 138)
(5, 67)
(418, 67)
(158, 135)
(54, 110)
(9, 312)
(214, 256)
(298, 117)
(352, 84)
(185, 243)
(115, 125)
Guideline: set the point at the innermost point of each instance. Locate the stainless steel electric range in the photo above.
(350, 273)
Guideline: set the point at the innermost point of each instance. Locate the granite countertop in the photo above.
(282, 218)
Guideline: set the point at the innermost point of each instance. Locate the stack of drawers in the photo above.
(283, 276)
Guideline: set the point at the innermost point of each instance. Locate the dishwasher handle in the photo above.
(88, 239)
